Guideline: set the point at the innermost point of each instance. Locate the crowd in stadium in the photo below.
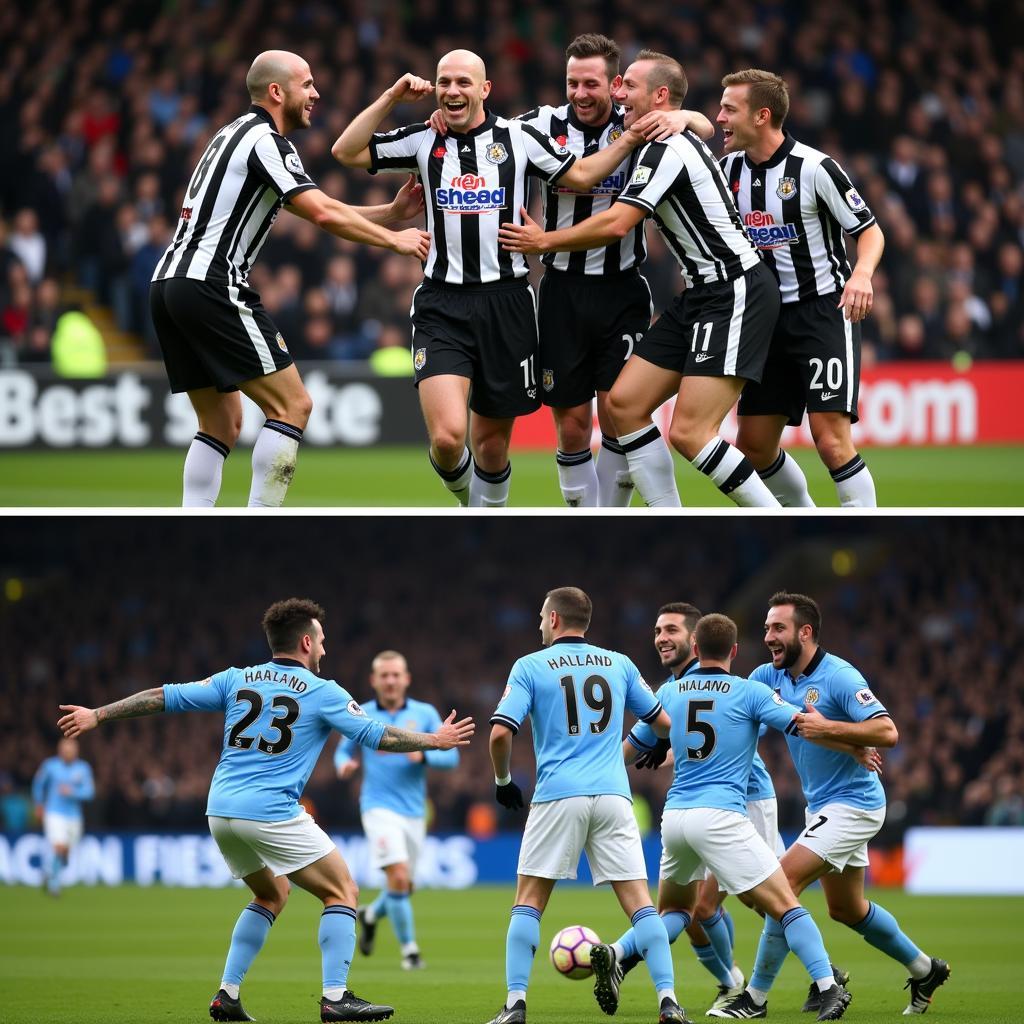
(926, 612)
(106, 109)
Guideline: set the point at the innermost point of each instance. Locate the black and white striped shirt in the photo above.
(680, 182)
(796, 206)
(246, 175)
(473, 183)
(563, 208)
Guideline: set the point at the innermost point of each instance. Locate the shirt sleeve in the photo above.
(844, 202)
(344, 752)
(341, 711)
(274, 161)
(516, 701)
(640, 698)
(546, 158)
(396, 150)
(40, 781)
(850, 690)
(642, 735)
(766, 706)
(655, 173)
(444, 760)
(203, 695)
(763, 674)
(86, 788)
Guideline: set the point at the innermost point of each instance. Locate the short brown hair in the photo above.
(715, 635)
(767, 90)
(592, 44)
(667, 71)
(805, 610)
(287, 622)
(572, 604)
(689, 612)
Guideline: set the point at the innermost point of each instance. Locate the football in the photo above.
(570, 951)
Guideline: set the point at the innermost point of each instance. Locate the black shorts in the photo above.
(717, 330)
(214, 336)
(813, 364)
(486, 332)
(589, 326)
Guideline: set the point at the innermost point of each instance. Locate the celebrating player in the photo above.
(474, 319)
(576, 695)
(277, 717)
(715, 336)
(393, 802)
(60, 787)
(216, 337)
(797, 202)
(845, 804)
(716, 718)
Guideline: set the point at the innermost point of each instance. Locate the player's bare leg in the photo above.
(492, 472)
(833, 437)
(284, 400)
(758, 438)
(577, 473)
(443, 400)
(640, 389)
(701, 405)
(614, 484)
(220, 422)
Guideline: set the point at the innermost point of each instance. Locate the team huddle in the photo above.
(769, 314)
(719, 829)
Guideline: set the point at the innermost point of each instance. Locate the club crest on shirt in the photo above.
(293, 163)
(786, 188)
(547, 379)
(812, 696)
(496, 153)
(280, 342)
(419, 360)
(615, 134)
(865, 697)
(354, 708)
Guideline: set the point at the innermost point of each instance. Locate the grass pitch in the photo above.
(129, 955)
(401, 477)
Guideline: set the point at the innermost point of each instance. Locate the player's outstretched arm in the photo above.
(79, 719)
(584, 174)
(658, 125)
(449, 734)
(408, 203)
(602, 229)
(875, 732)
(352, 147)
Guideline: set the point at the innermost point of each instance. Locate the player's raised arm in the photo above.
(450, 733)
(352, 147)
(584, 174)
(80, 719)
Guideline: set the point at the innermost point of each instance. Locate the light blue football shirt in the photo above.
(53, 775)
(277, 717)
(716, 719)
(391, 780)
(759, 785)
(841, 693)
(576, 695)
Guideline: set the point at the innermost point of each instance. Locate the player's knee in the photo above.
(833, 449)
(686, 438)
(574, 430)
(300, 408)
(760, 453)
(448, 444)
(843, 914)
(491, 452)
(618, 410)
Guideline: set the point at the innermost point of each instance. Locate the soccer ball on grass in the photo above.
(570, 951)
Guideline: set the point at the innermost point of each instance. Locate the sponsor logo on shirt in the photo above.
(469, 193)
(865, 697)
(610, 186)
(766, 234)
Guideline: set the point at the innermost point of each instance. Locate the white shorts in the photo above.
(61, 830)
(282, 846)
(697, 839)
(839, 834)
(764, 816)
(393, 838)
(603, 826)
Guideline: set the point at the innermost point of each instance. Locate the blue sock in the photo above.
(676, 922)
(337, 939)
(771, 952)
(521, 946)
(379, 906)
(627, 943)
(246, 941)
(880, 929)
(399, 909)
(727, 917)
(708, 959)
(652, 944)
(803, 937)
(717, 932)
(53, 873)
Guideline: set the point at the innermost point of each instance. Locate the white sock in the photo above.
(514, 997)
(232, 990)
(617, 950)
(204, 465)
(490, 490)
(667, 993)
(273, 463)
(334, 994)
(758, 996)
(614, 484)
(854, 485)
(457, 479)
(732, 472)
(409, 947)
(650, 466)
(737, 976)
(920, 967)
(786, 480)
(577, 477)
(824, 984)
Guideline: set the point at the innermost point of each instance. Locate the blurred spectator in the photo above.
(28, 244)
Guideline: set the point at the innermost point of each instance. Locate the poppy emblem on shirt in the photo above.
(813, 696)
(439, 152)
(786, 188)
(735, 186)
(496, 153)
(561, 139)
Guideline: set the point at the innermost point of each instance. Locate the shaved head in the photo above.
(273, 66)
(465, 60)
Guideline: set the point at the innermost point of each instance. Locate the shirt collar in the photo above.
(488, 123)
(288, 661)
(812, 665)
(686, 668)
(778, 156)
(570, 640)
(263, 114)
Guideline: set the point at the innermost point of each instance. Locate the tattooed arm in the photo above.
(449, 734)
(79, 719)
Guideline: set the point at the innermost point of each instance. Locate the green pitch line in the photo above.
(129, 955)
(401, 477)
